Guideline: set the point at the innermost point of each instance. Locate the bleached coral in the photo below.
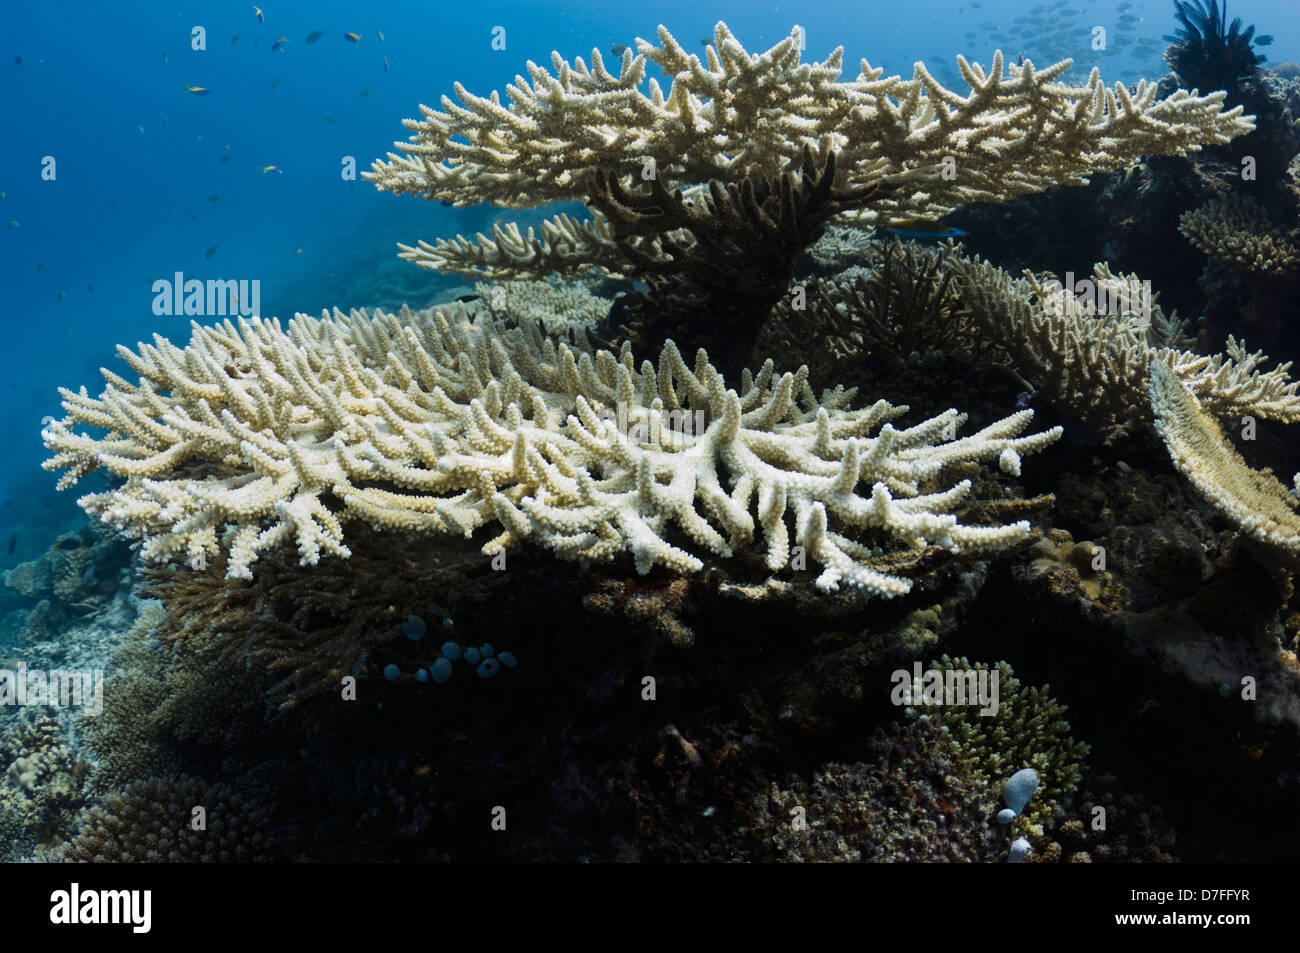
(254, 436)
(734, 115)
(1252, 500)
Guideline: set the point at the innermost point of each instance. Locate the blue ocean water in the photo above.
(150, 179)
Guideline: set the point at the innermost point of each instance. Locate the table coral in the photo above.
(734, 115)
(253, 437)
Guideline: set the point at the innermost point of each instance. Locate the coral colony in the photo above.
(668, 411)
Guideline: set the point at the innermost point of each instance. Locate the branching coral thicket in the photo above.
(254, 437)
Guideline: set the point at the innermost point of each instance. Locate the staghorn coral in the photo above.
(736, 115)
(253, 437)
(1252, 500)
(1234, 228)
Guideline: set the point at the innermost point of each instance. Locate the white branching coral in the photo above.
(256, 436)
(733, 115)
(1252, 500)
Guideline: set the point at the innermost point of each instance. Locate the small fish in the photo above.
(210, 252)
(197, 137)
(62, 295)
(922, 230)
(41, 266)
(705, 40)
(164, 120)
(193, 217)
(13, 541)
(279, 43)
(12, 224)
(385, 64)
(164, 56)
(196, 90)
(272, 168)
(275, 83)
(331, 120)
(467, 298)
(261, 17)
(214, 197)
(1265, 40)
(365, 92)
(617, 49)
(298, 252)
(226, 157)
(141, 128)
(380, 33)
(234, 39)
(315, 35)
(352, 37)
(18, 61)
(90, 288)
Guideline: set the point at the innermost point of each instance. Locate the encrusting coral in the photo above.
(254, 437)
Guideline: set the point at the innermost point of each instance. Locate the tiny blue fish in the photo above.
(922, 230)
